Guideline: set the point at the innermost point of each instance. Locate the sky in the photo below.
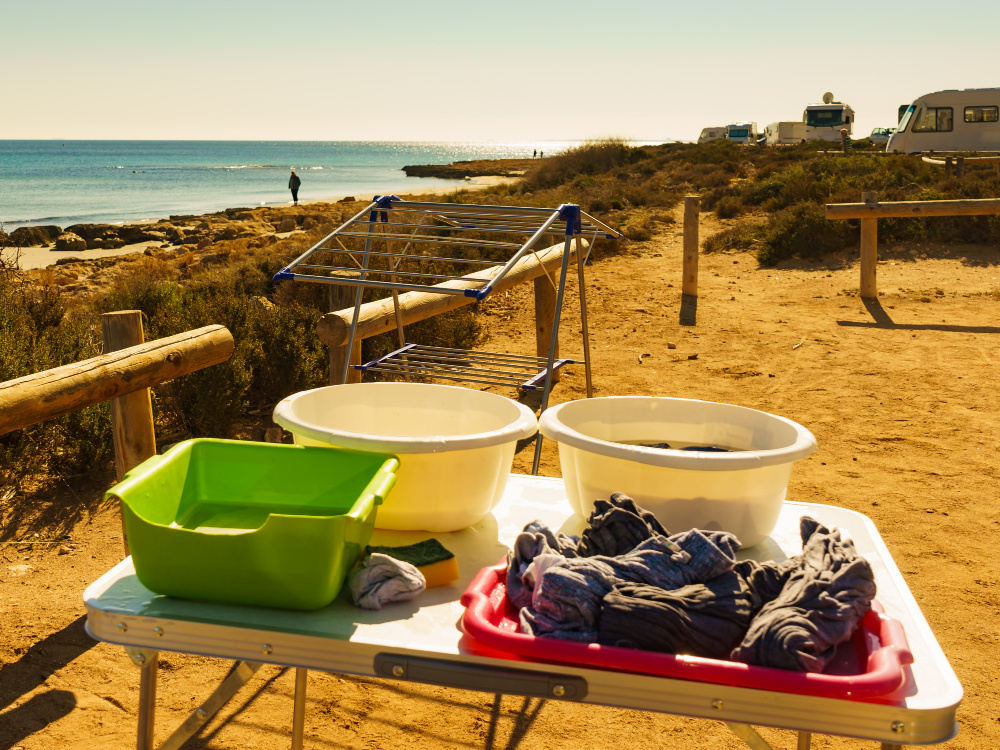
(470, 70)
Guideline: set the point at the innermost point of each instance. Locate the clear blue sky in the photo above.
(472, 70)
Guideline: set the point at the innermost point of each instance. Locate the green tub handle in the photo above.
(380, 486)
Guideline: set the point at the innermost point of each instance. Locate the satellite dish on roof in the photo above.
(827, 97)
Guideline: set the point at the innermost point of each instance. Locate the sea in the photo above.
(75, 182)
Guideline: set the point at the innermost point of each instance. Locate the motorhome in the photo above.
(784, 133)
(712, 134)
(953, 120)
(744, 133)
(825, 121)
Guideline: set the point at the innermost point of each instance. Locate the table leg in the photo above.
(891, 746)
(237, 678)
(749, 735)
(299, 711)
(805, 741)
(147, 700)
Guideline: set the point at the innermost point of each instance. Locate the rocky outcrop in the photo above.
(70, 241)
(34, 236)
(481, 168)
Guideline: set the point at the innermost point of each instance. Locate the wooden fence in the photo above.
(870, 211)
(122, 375)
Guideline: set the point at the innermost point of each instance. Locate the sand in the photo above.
(901, 394)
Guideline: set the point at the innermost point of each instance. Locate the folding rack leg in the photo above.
(583, 315)
(553, 343)
(357, 298)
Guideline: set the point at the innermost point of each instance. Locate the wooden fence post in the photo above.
(131, 414)
(341, 297)
(947, 166)
(960, 167)
(692, 208)
(869, 249)
(545, 316)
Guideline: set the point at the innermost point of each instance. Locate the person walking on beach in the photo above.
(293, 185)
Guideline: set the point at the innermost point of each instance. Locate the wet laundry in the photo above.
(686, 593)
(818, 608)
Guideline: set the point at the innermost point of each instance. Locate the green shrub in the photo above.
(728, 207)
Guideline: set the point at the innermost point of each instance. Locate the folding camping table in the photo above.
(421, 641)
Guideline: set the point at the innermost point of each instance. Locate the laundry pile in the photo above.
(625, 581)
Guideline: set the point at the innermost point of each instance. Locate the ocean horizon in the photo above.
(86, 182)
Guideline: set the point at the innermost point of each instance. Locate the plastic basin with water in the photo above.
(604, 447)
(455, 445)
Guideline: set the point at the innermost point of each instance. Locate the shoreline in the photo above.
(34, 258)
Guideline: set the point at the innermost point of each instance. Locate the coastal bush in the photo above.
(728, 207)
(36, 334)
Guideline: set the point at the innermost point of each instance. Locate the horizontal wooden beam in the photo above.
(901, 209)
(61, 390)
(378, 317)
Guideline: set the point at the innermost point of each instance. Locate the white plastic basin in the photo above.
(455, 445)
(741, 491)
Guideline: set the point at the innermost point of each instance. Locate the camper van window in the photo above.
(824, 118)
(933, 120)
(981, 114)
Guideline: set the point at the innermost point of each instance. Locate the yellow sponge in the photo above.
(438, 566)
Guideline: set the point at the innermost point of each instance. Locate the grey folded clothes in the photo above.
(381, 579)
(818, 608)
(615, 527)
(687, 594)
(701, 619)
(567, 592)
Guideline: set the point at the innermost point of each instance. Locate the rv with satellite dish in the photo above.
(712, 134)
(825, 121)
(784, 133)
(954, 120)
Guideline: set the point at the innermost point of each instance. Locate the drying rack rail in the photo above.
(489, 368)
(451, 249)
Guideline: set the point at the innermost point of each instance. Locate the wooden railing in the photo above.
(870, 211)
(380, 316)
(122, 375)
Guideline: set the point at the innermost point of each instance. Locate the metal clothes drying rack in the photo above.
(441, 243)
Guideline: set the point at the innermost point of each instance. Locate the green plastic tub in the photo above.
(252, 523)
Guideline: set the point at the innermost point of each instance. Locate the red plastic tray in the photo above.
(871, 664)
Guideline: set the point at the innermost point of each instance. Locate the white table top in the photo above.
(343, 638)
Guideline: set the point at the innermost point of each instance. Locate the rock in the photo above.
(262, 303)
(95, 243)
(70, 241)
(65, 261)
(203, 243)
(351, 199)
(245, 216)
(153, 236)
(287, 224)
(34, 236)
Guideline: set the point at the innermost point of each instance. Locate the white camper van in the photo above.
(955, 120)
(744, 133)
(712, 134)
(825, 121)
(784, 133)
